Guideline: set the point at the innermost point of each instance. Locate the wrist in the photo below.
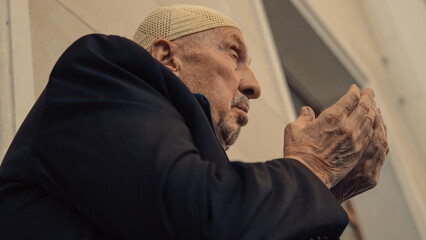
(312, 162)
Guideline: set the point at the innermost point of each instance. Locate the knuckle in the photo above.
(357, 147)
(371, 116)
(370, 135)
(332, 117)
(376, 146)
(349, 133)
(374, 180)
(369, 92)
(355, 96)
(364, 107)
(348, 108)
(349, 139)
(384, 143)
(288, 128)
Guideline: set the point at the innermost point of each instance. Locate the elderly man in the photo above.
(128, 143)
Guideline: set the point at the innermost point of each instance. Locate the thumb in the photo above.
(306, 114)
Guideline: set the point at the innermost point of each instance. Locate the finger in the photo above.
(368, 147)
(377, 167)
(384, 140)
(361, 120)
(374, 141)
(383, 123)
(371, 116)
(360, 113)
(347, 103)
(386, 129)
(380, 125)
(379, 141)
(377, 128)
(378, 121)
(369, 91)
(371, 124)
(306, 114)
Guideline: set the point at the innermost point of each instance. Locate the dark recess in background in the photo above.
(314, 74)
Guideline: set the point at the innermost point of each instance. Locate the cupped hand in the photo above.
(332, 144)
(365, 174)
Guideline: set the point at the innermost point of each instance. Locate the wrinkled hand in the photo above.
(366, 173)
(332, 145)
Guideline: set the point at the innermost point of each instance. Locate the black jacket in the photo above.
(117, 147)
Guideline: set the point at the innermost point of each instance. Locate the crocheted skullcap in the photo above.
(177, 21)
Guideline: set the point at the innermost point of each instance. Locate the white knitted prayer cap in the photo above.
(177, 21)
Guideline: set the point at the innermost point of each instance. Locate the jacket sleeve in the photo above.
(112, 145)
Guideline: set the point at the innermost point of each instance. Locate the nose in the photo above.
(249, 85)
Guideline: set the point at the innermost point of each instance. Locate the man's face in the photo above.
(218, 68)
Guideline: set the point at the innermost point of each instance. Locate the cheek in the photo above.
(223, 98)
(220, 104)
(224, 91)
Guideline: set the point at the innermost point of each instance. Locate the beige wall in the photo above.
(384, 43)
(16, 72)
(359, 28)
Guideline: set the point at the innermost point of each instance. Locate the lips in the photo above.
(242, 104)
(242, 117)
(243, 107)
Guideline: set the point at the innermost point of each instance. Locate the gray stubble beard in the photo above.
(225, 134)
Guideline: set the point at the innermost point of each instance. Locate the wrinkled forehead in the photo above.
(234, 34)
(222, 36)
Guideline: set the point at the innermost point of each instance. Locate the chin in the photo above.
(228, 138)
(228, 129)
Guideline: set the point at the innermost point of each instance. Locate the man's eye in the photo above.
(234, 55)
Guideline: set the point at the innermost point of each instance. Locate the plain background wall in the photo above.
(385, 40)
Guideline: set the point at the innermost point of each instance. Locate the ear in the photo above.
(165, 52)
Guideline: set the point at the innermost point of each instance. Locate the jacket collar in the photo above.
(205, 105)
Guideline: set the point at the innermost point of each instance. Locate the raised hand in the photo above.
(366, 173)
(332, 145)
